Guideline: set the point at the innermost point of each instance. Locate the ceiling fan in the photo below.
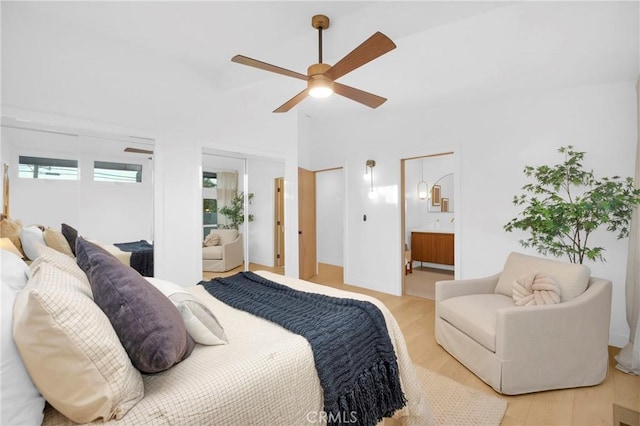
(321, 78)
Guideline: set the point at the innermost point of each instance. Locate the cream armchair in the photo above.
(225, 256)
(521, 349)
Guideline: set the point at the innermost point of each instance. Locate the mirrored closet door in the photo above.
(242, 202)
(101, 184)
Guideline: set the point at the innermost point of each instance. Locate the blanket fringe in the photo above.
(377, 394)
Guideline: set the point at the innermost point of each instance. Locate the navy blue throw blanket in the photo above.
(141, 256)
(353, 354)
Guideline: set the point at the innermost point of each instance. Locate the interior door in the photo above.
(279, 224)
(307, 223)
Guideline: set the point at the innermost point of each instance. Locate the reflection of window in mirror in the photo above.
(209, 215)
(209, 202)
(47, 168)
(209, 180)
(108, 171)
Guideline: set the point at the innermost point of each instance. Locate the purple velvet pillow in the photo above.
(147, 323)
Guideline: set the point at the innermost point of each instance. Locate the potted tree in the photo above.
(566, 204)
(235, 211)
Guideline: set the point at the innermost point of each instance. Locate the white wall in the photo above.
(330, 194)
(494, 141)
(261, 180)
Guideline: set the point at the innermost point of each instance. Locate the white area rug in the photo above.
(456, 404)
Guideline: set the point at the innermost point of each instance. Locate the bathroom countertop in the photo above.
(437, 231)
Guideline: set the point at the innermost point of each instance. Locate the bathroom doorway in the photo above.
(429, 201)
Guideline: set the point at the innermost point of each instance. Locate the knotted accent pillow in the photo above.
(212, 240)
(536, 289)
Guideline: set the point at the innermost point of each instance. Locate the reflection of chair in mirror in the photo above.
(521, 349)
(226, 255)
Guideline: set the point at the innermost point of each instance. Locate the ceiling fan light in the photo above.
(320, 87)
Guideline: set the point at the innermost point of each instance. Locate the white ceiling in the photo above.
(447, 51)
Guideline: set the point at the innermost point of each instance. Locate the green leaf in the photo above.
(566, 203)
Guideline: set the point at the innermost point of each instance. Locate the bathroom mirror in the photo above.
(442, 196)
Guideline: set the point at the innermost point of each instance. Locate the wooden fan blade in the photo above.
(138, 150)
(267, 67)
(293, 101)
(376, 45)
(365, 98)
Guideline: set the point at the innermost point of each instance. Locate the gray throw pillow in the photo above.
(148, 325)
(70, 234)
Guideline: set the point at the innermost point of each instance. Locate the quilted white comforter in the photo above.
(264, 376)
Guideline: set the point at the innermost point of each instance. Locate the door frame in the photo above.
(403, 208)
(279, 223)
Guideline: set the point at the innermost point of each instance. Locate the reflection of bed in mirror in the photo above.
(137, 254)
(28, 239)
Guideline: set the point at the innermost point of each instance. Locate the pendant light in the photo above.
(423, 188)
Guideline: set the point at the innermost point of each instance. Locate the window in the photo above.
(209, 180)
(209, 215)
(105, 171)
(47, 168)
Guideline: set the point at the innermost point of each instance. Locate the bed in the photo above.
(265, 375)
(137, 254)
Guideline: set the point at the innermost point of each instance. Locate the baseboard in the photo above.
(618, 340)
(623, 416)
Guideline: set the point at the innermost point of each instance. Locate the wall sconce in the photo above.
(368, 174)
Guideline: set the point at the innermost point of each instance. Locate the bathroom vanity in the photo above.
(433, 246)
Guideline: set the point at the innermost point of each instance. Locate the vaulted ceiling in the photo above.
(447, 51)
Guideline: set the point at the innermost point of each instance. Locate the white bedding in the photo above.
(264, 376)
(122, 256)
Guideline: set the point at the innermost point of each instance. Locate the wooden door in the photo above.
(307, 223)
(278, 225)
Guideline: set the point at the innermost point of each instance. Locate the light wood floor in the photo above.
(580, 406)
(422, 281)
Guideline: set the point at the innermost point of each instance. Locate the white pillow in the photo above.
(31, 238)
(21, 402)
(63, 262)
(202, 325)
(70, 349)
